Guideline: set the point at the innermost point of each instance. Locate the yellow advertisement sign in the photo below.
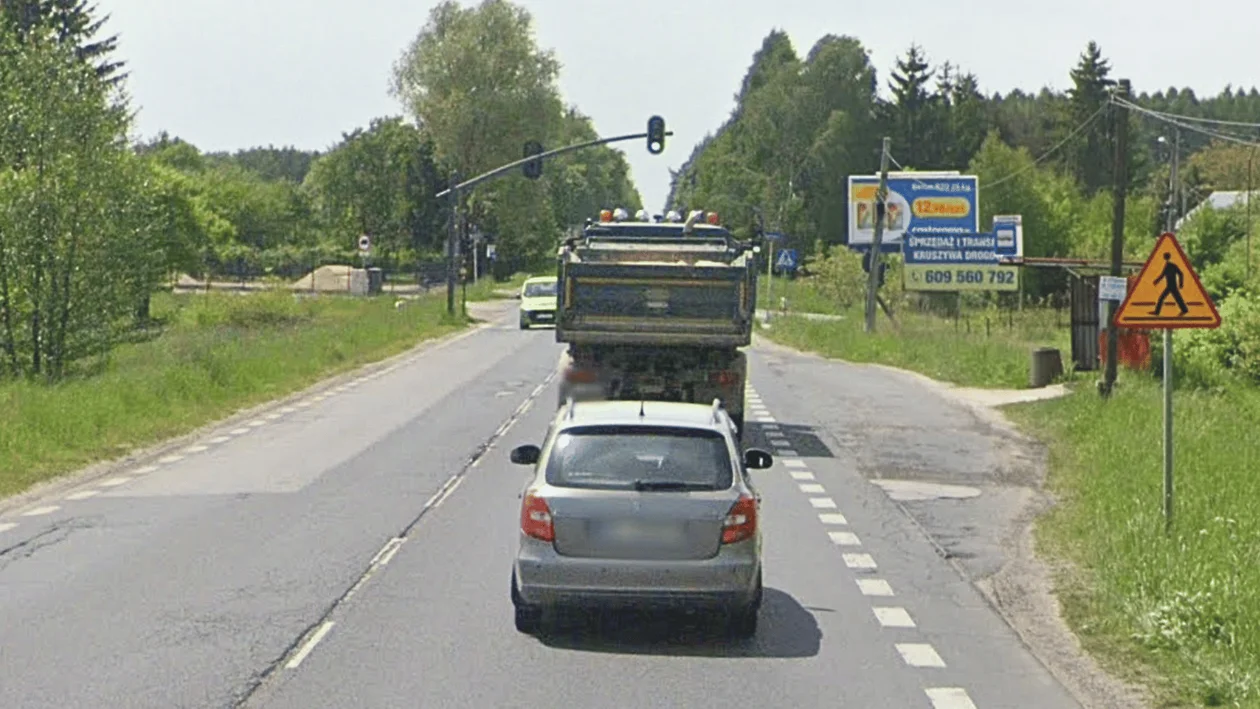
(953, 278)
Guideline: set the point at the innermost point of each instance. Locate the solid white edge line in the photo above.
(949, 698)
(893, 617)
(309, 645)
(40, 511)
(145, 470)
(919, 655)
(115, 482)
(165, 460)
(82, 495)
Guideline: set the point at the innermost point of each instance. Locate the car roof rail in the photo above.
(571, 406)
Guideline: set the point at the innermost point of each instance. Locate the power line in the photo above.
(1193, 128)
(1052, 150)
(1191, 119)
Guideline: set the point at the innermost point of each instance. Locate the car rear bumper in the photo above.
(539, 317)
(729, 579)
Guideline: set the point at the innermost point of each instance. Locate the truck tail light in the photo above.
(741, 521)
(725, 378)
(536, 518)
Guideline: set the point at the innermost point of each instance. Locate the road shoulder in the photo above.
(1021, 588)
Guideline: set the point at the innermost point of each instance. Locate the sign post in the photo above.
(771, 238)
(1168, 296)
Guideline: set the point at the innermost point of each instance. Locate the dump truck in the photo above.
(656, 309)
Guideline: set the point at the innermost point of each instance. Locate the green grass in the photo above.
(216, 353)
(485, 288)
(967, 352)
(802, 296)
(1179, 613)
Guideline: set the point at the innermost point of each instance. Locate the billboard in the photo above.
(922, 203)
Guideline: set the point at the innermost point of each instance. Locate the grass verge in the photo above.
(982, 350)
(1177, 613)
(216, 353)
(490, 289)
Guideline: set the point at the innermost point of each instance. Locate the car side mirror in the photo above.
(527, 454)
(757, 459)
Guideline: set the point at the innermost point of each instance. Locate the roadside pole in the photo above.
(452, 241)
(1168, 363)
(1121, 177)
(872, 281)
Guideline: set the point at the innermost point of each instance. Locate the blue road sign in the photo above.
(786, 260)
(920, 203)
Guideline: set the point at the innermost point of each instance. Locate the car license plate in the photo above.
(543, 316)
(657, 534)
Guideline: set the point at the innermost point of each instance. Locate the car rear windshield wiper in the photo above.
(646, 485)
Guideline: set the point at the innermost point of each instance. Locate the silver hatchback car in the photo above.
(639, 504)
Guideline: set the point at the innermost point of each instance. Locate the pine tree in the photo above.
(68, 22)
(1091, 158)
(909, 115)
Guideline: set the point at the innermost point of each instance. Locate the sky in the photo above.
(233, 74)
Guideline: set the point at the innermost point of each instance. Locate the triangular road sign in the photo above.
(1168, 294)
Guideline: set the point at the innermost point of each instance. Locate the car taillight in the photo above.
(581, 376)
(741, 521)
(725, 378)
(536, 518)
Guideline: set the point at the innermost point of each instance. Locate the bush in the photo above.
(1210, 358)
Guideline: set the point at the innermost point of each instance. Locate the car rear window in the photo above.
(539, 290)
(647, 458)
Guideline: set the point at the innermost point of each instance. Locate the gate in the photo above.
(1083, 302)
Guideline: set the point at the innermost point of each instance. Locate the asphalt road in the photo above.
(355, 551)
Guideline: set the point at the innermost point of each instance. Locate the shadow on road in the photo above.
(786, 629)
(801, 439)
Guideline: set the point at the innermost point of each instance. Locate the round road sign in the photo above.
(364, 243)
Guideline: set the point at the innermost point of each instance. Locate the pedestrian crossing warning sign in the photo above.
(1168, 293)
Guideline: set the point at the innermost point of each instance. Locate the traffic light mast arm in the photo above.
(473, 182)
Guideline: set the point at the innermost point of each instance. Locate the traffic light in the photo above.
(656, 135)
(533, 168)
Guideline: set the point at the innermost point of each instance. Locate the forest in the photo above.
(801, 125)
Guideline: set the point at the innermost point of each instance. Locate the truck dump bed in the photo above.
(654, 284)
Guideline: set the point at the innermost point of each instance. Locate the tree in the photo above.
(69, 22)
(76, 251)
(912, 115)
(1089, 159)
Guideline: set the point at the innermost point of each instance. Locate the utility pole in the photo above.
(1120, 114)
(872, 281)
(452, 247)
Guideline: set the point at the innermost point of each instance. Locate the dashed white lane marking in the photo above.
(813, 489)
(832, 518)
(196, 449)
(239, 431)
(6, 526)
(893, 617)
(220, 439)
(919, 655)
(788, 451)
(273, 415)
(39, 511)
(874, 587)
(802, 475)
(310, 645)
(145, 470)
(859, 561)
(777, 439)
(794, 463)
(115, 482)
(82, 495)
(771, 427)
(288, 409)
(170, 459)
(949, 698)
(256, 423)
(822, 503)
(766, 419)
(844, 539)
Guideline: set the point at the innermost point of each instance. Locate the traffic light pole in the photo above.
(457, 187)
